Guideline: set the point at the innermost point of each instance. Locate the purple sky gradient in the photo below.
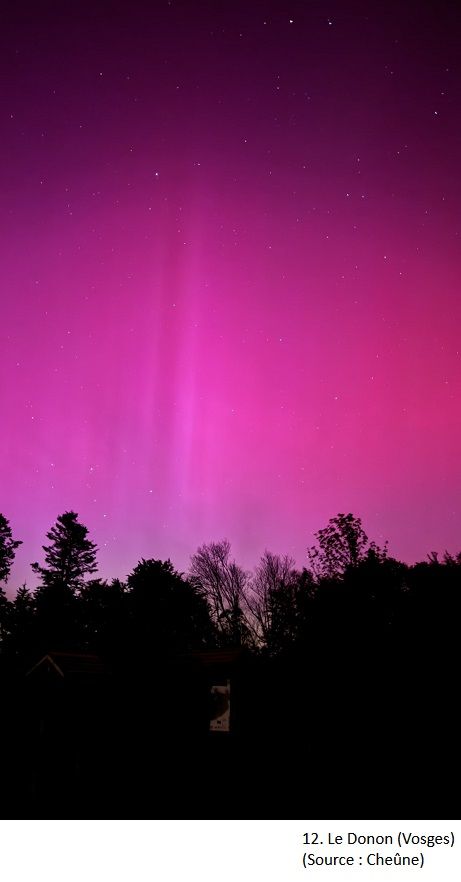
(230, 275)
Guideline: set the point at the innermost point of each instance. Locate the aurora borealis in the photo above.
(230, 275)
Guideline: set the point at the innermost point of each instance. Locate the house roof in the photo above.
(69, 664)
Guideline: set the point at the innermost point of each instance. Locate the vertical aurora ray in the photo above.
(230, 276)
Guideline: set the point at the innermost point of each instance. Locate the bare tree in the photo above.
(271, 590)
(223, 584)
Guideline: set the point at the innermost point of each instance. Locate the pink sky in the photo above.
(230, 293)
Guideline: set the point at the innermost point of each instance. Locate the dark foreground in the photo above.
(367, 731)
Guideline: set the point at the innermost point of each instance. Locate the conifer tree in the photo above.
(8, 547)
(69, 556)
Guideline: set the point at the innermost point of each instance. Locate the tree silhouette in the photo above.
(102, 615)
(8, 547)
(342, 544)
(223, 584)
(361, 638)
(166, 611)
(271, 600)
(70, 555)
(21, 623)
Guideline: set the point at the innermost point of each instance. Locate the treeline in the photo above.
(351, 592)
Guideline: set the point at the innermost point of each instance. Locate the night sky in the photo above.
(230, 301)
